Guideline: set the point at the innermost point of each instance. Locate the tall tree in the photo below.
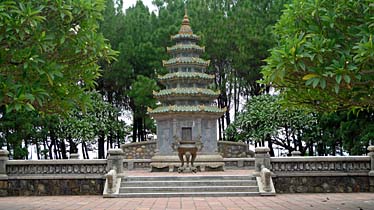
(325, 55)
(50, 50)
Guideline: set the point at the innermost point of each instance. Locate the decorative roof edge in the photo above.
(186, 109)
(194, 75)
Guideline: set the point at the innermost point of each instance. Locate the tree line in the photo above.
(70, 69)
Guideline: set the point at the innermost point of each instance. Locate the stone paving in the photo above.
(341, 201)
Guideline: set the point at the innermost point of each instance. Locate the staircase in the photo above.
(189, 185)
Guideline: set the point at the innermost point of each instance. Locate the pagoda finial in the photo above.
(185, 28)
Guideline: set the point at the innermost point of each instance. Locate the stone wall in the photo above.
(53, 177)
(27, 187)
(323, 184)
(322, 174)
(229, 149)
(146, 149)
(139, 150)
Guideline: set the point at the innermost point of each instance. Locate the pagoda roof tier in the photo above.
(186, 60)
(179, 37)
(186, 92)
(177, 76)
(185, 47)
(187, 109)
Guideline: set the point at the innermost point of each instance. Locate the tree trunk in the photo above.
(270, 145)
(72, 145)
(83, 152)
(134, 129)
(85, 149)
(37, 150)
(45, 147)
(101, 145)
(311, 149)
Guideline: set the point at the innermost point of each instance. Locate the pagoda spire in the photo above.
(185, 28)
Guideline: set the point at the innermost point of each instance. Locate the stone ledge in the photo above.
(57, 162)
(239, 159)
(320, 159)
(62, 176)
(319, 174)
(137, 143)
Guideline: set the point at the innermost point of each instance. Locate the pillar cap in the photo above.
(296, 153)
(4, 152)
(371, 148)
(115, 151)
(262, 150)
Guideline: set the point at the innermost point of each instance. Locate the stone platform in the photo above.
(162, 163)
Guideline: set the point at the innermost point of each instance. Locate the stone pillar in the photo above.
(74, 156)
(371, 155)
(115, 159)
(296, 153)
(3, 160)
(3, 175)
(262, 157)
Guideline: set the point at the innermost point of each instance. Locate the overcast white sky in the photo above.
(148, 3)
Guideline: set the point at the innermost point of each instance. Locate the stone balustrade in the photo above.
(55, 169)
(317, 165)
(290, 174)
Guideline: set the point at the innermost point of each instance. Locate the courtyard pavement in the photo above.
(346, 201)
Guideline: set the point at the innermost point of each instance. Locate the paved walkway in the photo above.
(351, 201)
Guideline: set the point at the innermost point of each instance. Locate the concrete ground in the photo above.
(346, 201)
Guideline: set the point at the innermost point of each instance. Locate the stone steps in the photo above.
(186, 194)
(190, 185)
(188, 178)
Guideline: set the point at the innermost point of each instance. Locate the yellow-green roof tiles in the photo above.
(187, 91)
(188, 109)
(186, 60)
(186, 75)
(185, 47)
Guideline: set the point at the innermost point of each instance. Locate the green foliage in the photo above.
(49, 53)
(100, 117)
(263, 118)
(325, 54)
(351, 132)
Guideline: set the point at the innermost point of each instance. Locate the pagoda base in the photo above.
(171, 163)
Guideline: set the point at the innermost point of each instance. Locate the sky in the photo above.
(148, 3)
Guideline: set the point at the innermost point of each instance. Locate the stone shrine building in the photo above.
(187, 111)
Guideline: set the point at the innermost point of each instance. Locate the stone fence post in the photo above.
(3, 160)
(262, 158)
(74, 156)
(115, 159)
(371, 155)
(296, 153)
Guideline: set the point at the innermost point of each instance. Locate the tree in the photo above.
(265, 120)
(50, 53)
(97, 125)
(324, 58)
(132, 34)
(142, 94)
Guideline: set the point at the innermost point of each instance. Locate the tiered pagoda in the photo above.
(187, 111)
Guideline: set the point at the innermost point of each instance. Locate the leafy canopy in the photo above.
(49, 53)
(325, 55)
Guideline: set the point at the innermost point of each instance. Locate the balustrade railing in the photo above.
(57, 168)
(343, 165)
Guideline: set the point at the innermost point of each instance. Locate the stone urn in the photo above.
(187, 152)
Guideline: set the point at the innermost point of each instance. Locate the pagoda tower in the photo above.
(187, 111)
